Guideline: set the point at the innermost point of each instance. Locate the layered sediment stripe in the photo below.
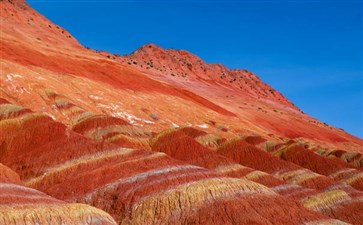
(308, 159)
(14, 188)
(186, 198)
(353, 158)
(229, 168)
(95, 126)
(338, 186)
(23, 119)
(165, 183)
(142, 176)
(322, 201)
(349, 176)
(358, 177)
(62, 103)
(49, 214)
(99, 133)
(192, 132)
(184, 169)
(318, 201)
(286, 187)
(294, 191)
(81, 116)
(98, 166)
(175, 142)
(19, 199)
(255, 175)
(22, 115)
(109, 172)
(34, 116)
(270, 146)
(248, 155)
(302, 193)
(23, 205)
(355, 200)
(326, 222)
(8, 111)
(210, 141)
(114, 130)
(73, 112)
(297, 176)
(76, 114)
(101, 127)
(97, 122)
(85, 160)
(127, 141)
(341, 174)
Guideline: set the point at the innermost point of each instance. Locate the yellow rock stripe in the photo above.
(185, 198)
(49, 214)
(230, 168)
(256, 175)
(74, 163)
(354, 178)
(162, 172)
(325, 200)
(326, 222)
(297, 176)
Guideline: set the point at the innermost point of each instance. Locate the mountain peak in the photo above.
(149, 47)
(15, 2)
(181, 66)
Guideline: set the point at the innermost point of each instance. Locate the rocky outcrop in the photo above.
(184, 65)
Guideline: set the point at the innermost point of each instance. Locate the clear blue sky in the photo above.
(311, 51)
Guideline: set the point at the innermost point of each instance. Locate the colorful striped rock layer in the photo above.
(88, 137)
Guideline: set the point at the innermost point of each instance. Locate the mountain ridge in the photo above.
(79, 61)
(146, 147)
(183, 64)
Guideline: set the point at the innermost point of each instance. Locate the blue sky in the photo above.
(311, 51)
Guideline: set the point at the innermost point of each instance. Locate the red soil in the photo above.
(310, 160)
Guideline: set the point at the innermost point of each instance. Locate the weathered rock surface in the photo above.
(23, 205)
(157, 137)
(134, 186)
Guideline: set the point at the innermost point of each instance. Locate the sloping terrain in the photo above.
(157, 137)
(23, 205)
(134, 186)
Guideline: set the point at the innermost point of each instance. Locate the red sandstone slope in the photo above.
(31, 41)
(22, 205)
(288, 179)
(182, 64)
(239, 91)
(79, 125)
(134, 186)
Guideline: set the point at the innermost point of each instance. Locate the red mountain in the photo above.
(157, 137)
